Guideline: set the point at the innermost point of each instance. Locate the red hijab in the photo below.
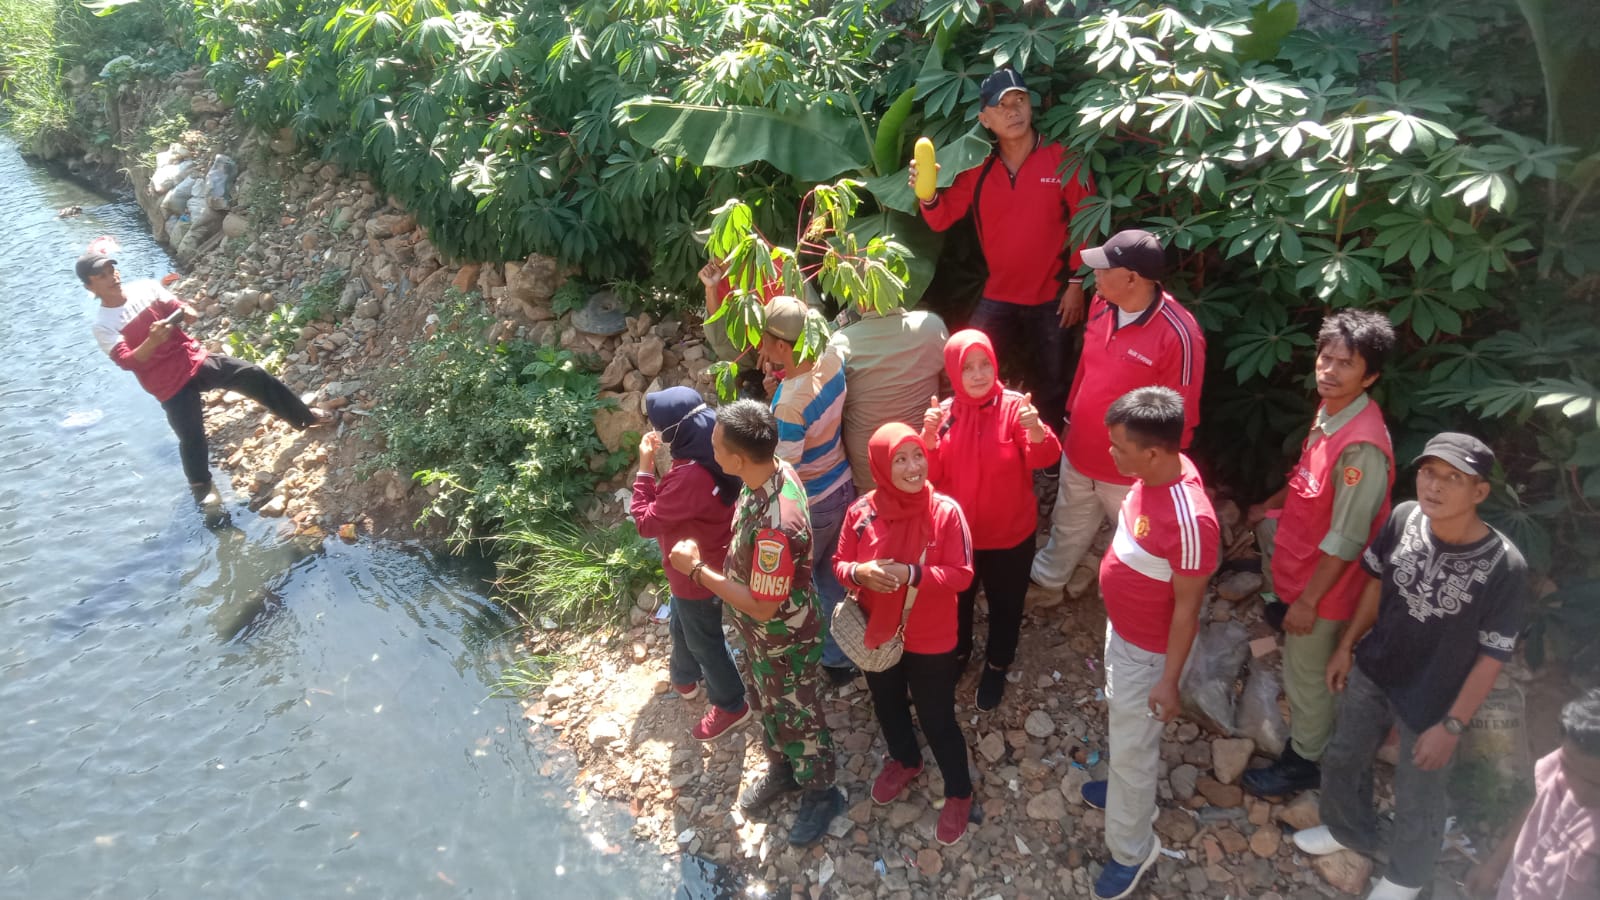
(909, 517)
(956, 350)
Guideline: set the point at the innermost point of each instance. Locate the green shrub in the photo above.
(504, 428)
(30, 73)
(568, 575)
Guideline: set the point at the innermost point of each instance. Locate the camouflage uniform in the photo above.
(771, 555)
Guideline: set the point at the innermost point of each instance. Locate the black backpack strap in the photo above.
(977, 192)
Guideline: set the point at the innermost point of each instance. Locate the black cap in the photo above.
(1133, 249)
(1463, 451)
(90, 263)
(1002, 82)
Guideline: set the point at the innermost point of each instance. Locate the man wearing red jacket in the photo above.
(1137, 336)
(132, 327)
(1335, 502)
(1022, 198)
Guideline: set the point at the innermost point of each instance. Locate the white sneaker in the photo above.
(1318, 841)
(1388, 890)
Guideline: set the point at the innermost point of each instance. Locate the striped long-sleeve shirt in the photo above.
(810, 412)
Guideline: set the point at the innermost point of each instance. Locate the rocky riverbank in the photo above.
(289, 258)
(630, 732)
(260, 229)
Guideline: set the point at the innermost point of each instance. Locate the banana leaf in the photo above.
(814, 145)
(893, 191)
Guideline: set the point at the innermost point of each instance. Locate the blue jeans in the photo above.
(699, 650)
(1029, 337)
(827, 515)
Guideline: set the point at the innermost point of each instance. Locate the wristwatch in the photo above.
(1454, 725)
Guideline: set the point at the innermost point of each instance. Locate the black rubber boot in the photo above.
(1290, 775)
(818, 808)
(778, 781)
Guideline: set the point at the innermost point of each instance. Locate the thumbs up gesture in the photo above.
(932, 419)
(1028, 417)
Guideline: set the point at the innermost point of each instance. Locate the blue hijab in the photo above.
(685, 422)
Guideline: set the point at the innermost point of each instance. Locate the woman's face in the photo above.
(977, 374)
(909, 468)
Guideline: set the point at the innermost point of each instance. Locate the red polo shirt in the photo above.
(1164, 346)
(1022, 221)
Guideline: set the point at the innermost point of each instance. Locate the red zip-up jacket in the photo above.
(1164, 347)
(1023, 220)
(683, 504)
(945, 571)
(984, 461)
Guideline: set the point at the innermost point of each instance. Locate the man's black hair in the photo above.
(1580, 723)
(1370, 334)
(1151, 416)
(750, 428)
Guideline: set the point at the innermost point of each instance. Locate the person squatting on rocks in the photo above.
(694, 501)
(809, 405)
(1022, 199)
(1313, 531)
(134, 326)
(767, 582)
(903, 543)
(1153, 578)
(1552, 851)
(983, 445)
(1137, 336)
(1439, 616)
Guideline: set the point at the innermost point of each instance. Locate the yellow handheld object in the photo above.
(927, 170)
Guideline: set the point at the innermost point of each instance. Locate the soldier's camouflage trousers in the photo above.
(788, 682)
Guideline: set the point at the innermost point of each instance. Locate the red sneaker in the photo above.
(953, 819)
(689, 691)
(718, 722)
(892, 782)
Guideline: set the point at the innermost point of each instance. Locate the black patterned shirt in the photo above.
(1442, 606)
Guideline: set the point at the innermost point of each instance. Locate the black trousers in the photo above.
(932, 681)
(1033, 337)
(186, 415)
(1003, 575)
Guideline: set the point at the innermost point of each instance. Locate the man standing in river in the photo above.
(137, 325)
(766, 585)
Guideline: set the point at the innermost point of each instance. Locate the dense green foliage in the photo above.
(502, 430)
(1407, 164)
(30, 71)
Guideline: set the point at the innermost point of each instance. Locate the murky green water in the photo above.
(193, 713)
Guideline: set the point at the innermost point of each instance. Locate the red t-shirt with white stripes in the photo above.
(1162, 530)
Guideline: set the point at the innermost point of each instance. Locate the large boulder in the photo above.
(603, 315)
(535, 280)
(613, 424)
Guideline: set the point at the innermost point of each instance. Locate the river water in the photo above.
(187, 712)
